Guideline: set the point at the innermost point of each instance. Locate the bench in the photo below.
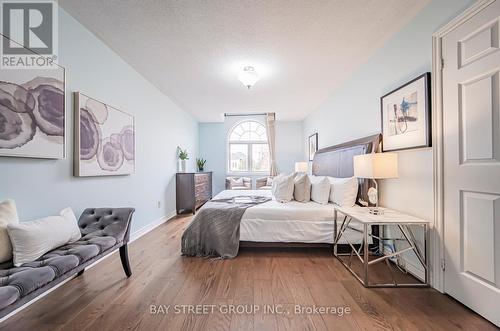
(104, 230)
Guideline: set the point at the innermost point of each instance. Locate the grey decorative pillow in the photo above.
(8, 215)
(302, 188)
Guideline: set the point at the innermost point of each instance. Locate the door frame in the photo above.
(437, 239)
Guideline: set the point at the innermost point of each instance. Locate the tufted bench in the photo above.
(103, 231)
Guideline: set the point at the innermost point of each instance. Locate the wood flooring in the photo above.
(259, 278)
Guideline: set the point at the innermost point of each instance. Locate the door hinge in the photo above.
(442, 63)
(443, 264)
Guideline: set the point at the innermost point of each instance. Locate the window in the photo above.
(248, 148)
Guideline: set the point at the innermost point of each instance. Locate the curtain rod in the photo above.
(243, 114)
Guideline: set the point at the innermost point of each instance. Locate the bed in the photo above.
(311, 222)
(291, 222)
(225, 223)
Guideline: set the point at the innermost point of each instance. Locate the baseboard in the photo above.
(414, 270)
(151, 226)
(134, 236)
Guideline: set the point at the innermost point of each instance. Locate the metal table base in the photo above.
(363, 253)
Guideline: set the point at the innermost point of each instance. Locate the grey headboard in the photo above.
(337, 161)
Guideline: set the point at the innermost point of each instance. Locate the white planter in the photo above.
(181, 165)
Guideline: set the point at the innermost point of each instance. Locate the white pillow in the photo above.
(282, 188)
(236, 182)
(302, 188)
(320, 189)
(30, 240)
(269, 181)
(8, 215)
(344, 191)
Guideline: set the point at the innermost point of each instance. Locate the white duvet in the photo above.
(272, 221)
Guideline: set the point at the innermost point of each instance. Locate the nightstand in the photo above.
(389, 217)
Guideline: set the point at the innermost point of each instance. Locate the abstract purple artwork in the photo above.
(104, 139)
(32, 113)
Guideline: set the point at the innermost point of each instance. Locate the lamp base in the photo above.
(375, 210)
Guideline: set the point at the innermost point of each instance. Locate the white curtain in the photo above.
(271, 140)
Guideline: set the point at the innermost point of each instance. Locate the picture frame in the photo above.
(104, 139)
(39, 129)
(406, 115)
(313, 145)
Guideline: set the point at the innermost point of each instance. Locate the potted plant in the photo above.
(200, 163)
(183, 156)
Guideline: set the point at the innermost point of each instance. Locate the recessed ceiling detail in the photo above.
(193, 51)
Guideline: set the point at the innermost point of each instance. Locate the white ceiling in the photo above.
(193, 50)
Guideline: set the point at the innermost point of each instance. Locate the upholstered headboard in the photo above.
(337, 161)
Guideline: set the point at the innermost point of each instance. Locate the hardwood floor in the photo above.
(103, 299)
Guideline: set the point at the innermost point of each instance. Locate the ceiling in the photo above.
(193, 50)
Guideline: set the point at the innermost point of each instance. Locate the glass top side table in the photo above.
(401, 221)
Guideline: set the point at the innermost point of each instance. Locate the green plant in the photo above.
(182, 154)
(201, 164)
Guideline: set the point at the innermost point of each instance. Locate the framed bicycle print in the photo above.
(406, 115)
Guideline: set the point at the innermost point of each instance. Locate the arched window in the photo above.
(248, 148)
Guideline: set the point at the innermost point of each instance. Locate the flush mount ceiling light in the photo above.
(248, 76)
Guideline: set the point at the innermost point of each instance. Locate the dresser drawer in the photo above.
(201, 189)
(201, 179)
(202, 198)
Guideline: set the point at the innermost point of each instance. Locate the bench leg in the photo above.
(125, 262)
(80, 273)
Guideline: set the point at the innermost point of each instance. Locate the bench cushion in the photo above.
(18, 282)
(102, 229)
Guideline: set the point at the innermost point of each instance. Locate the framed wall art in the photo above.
(104, 139)
(406, 115)
(313, 145)
(33, 112)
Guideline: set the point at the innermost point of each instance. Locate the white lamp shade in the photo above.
(301, 166)
(376, 165)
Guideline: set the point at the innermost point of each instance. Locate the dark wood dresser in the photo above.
(193, 189)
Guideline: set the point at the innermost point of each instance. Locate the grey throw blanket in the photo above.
(215, 230)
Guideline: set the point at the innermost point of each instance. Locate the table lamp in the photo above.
(376, 166)
(301, 167)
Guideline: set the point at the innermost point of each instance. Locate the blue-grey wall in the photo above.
(44, 187)
(289, 142)
(353, 110)
(212, 147)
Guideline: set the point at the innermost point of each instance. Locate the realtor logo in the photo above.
(29, 34)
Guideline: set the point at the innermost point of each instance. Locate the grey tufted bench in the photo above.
(103, 231)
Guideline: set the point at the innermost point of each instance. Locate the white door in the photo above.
(471, 127)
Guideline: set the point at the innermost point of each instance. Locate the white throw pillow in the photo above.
(269, 181)
(320, 189)
(282, 188)
(236, 182)
(8, 215)
(302, 188)
(344, 191)
(30, 240)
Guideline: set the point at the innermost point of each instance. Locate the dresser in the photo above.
(193, 189)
